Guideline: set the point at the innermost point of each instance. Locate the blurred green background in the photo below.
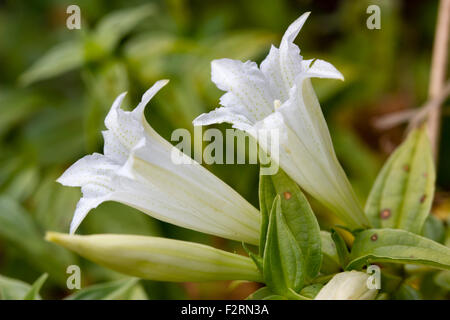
(56, 86)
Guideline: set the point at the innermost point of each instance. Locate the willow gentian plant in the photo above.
(291, 256)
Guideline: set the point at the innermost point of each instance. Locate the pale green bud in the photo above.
(159, 259)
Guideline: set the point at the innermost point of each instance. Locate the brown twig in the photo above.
(413, 116)
(438, 71)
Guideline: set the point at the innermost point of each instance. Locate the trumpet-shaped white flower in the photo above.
(159, 259)
(137, 170)
(349, 285)
(279, 96)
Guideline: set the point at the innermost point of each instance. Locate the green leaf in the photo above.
(299, 218)
(402, 194)
(117, 24)
(406, 292)
(60, 59)
(397, 246)
(114, 290)
(20, 230)
(283, 261)
(330, 259)
(264, 294)
(33, 293)
(442, 279)
(12, 289)
(267, 194)
(434, 229)
(311, 291)
(256, 258)
(341, 248)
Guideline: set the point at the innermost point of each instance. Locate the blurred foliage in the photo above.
(56, 86)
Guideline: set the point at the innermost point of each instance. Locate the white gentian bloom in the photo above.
(349, 285)
(159, 259)
(136, 169)
(279, 96)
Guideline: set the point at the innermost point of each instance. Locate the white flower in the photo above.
(136, 169)
(279, 96)
(159, 259)
(349, 285)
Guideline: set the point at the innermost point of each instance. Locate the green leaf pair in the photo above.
(290, 243)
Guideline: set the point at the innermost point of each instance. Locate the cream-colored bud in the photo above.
(159, 259)
(349, 285)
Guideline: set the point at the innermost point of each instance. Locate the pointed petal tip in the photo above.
(55, 237)
(198, 122)
(148, 95)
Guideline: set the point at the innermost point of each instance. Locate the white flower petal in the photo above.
(137, 170)
(320, 69)
(198, 192)
(248, 92)
(94, 173)
(221, 115)
(271, 68)
(147, 96)
(306, 153)
(289, 53)
(125, 128)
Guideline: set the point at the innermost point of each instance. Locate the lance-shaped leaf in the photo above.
(267, 195)
(33, 293)
(330, 258)
(403, 191)
(397, 246)
(341, 247)
(264, 294)
(59, 59)
(159, 259)
(118, 23)
(74, 53)
(12, 289)
(298, 215)
(115, 290)
(283, 262)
